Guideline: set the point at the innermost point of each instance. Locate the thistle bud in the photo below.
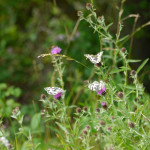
(97, 109)
(120, 94)
(88, 127)
(88, 6)
(99, 64)
(85, 108)
(131, 125)
(79, 13)
(104, 105)
(109, 128)
(123, 50)
(78, 110)
(133, 72)
(43, 96)
(43, 111)
(102, 123)
(99, 18)
(85, 132)
(112, 117)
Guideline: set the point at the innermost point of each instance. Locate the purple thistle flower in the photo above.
(57, 96)
(104, 105)
(101, 91)
(55, 50)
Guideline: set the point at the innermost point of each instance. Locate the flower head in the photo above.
(55, 91)
(95, 59)
(99, 87)
(55, 50)
(104, 105)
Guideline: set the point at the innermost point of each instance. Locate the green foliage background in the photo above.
(30, 27)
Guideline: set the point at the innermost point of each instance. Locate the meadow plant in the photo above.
(115, 115)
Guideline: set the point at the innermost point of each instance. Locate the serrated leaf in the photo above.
(142, 65)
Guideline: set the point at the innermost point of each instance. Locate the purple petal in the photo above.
(56, 50)
(102, 91)
(103, 103)
(57, 96)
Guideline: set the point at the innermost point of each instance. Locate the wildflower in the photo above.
(95, 59)
(78, 110)
(98, 87)
(123, 49)
(43, 111)
(85, 108)
(55, 50)
(131, 125)
(85, 132)
(104, 105)
(112, 117)
(43, 96)
(109, 128)
(133, 72)
(99, 18)
(79, 13)
(97, 109)
(15, 111)
(88, 6)
(120, 94)
(102, 123)
(88, 127)
(55, 91)
(5, 142)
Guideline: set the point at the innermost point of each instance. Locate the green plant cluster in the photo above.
(94, 100)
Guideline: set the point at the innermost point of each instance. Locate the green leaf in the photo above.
(35, 121)
(125, 37)
(119, 70)
(142, 65)
(62, 127)
(133, 61)
(107, 27)
(116, 71)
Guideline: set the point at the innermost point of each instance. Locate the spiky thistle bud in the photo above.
(133, 72)
(97, 109)
(78, 110)
(43, 96)
(79, 13)
(109, 128)
(123, 49)
(88, 6)
(85, 132)
(120, 94)
(88, 127)
(102, 123)
(104, 105)
(85, 108)
(131, 124)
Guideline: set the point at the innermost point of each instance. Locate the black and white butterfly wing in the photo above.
(95, 59)
(95, 86)
(53, 90)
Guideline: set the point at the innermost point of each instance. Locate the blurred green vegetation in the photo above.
(31, 27)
